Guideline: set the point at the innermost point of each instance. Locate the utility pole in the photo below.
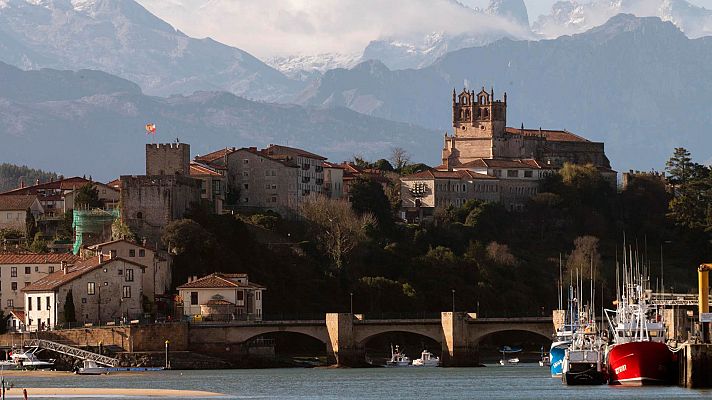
(352, 302)
(453, 302)
(168, 364)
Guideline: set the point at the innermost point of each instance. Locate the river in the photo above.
(494, 382)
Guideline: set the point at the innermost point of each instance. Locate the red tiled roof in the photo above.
(63, 184)
(210, 157)
(552, 135)
(275, 149)
(327, 164)
(100, 245)
(217, 281)
(116, 183)
(18, 314)
(197, 169)
(16, 202)
(38, 258)
(59, 278)
(435, 174)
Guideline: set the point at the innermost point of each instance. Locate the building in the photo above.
(484, 154)
(21, 270)
(16, 322)
(333, 180)
(14, 209)
(157, 272)
(212, 185)
(150, 202)
(276, 178)
(222, 297)
(102, 290)
(57, 197)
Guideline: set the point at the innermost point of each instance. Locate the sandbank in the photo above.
(16, 393)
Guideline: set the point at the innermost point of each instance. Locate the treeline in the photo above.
(10, 176)
(483, 256)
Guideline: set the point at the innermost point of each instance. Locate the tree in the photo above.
(337, 227)
(367, 196)
(38, 244)
(87, 196)
(69, 311)
(413, 168)
(30, 224)
(185, 235)
(679, 166)
(119, 230)
(399, 158)
(584, 257)
(383, 165)
(501, 254)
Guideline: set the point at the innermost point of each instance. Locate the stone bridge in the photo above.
(345, 335)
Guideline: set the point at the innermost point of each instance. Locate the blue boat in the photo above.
(556, 354)
(564, 335)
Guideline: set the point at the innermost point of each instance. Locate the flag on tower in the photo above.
(150, 129)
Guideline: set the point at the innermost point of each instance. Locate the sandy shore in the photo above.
(16, 393)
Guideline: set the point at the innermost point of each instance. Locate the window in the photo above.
(497, 172)
(132, 253)
(112, 253)
(512, 173)
(246, 185)
(51, 269)
(28, 270)
(13, 285)
(121, 272)
(47, 301)
(245, 161)
(141, 253)
(29, 304)
(127, 292)
(84, 301)
(10, 303)
(39, 303)
(91, 288)
(139, 215)
(274, 199)
(240, 295)
(258, 295)
(245, 173)
(129, 275)
(37, 269)
(27, 284)
(13, 272)
(193, 298)
(216, 187)
(528, 174)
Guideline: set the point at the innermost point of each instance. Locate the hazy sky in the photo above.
(288, 27)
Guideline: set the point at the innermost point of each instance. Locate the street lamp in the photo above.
(351, 295)
(453, 302)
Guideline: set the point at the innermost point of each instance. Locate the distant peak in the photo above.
(513, 10)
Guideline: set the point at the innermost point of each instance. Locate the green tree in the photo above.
(87, 196)
(367, 196)
(679, 166)
(383, 165)
(410, 169)
(30, 224)
(186, 236)
(69, 314)
(38, 244)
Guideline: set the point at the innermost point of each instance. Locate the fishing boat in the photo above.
(91, 368)
(509, 350)
(427, 359)
(544, 361)
(564, 335)
(398, 359)
(639, 354)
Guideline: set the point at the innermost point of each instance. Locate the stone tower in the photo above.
(478, 115)
(168, 159)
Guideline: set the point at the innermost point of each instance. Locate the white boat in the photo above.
(509, 361)
(398, 359)
(544, 362)
(91, 368)
(28, 359)
(426, 360)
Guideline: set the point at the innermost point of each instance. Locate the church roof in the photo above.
(551, 135)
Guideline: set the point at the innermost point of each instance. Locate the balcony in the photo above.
(319, 168)
(306, 179)
(319, 181)
(306, 166)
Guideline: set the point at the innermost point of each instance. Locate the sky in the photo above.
(311, 27)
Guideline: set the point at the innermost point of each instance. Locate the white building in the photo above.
(13, 211)
(157, 276)
(222, 297)
(21, 270)
(102, 290)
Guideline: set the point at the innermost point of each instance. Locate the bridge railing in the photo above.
(399, 315)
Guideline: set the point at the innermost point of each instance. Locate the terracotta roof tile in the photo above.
(210, 157)
(59, 278)
(18, 314)
(218, 280)
(38, 258)
(197, 169)
(64, 184)
(552, 135)
(13, 202)
(274, 149)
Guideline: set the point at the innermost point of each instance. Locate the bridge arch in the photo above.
(542, 330)
(228, 334)
(364, 333)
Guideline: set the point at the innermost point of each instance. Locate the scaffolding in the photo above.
(94, 221)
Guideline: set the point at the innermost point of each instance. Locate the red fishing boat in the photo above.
(638, 354)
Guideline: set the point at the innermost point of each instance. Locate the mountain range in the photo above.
(90, 122)
(639, 84)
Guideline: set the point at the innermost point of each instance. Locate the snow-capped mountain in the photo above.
(570, 16)
(122, 37)
(307, 67)
(513, 10)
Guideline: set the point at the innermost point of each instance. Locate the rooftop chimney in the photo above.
(37, 181)
(22, 182)
(65, 268)
(101, 257)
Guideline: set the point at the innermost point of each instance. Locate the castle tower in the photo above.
(478, 115)
(168, 159)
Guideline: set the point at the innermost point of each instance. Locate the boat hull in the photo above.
(556, 357)
(584, 376)
(641, 363)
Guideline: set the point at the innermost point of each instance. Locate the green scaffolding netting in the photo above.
(92, 221)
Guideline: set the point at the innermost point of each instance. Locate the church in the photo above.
(485, 159)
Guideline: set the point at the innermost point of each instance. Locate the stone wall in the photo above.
(168, 159)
